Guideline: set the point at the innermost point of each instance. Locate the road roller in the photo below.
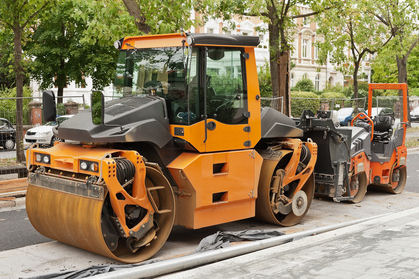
(370, 153)
(185, 143)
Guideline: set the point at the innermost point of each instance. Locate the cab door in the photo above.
(226, 105)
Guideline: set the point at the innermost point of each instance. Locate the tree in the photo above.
(74, 39)
(18, 16)
(7, 75)
(385, 70)
(280, 16)
(164, 16)
(304, 84)
(401, 20)
(350, 33)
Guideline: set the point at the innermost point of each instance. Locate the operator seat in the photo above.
(383, 128)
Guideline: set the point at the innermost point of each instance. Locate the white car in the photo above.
(43, 134)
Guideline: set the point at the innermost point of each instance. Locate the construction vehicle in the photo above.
(365, 154)
(187, 144)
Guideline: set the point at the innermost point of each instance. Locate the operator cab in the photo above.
(206, 82)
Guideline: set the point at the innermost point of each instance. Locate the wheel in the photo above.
(274, 203)
(397, 180)
(9, 144)
(358, 187)
(54, 139)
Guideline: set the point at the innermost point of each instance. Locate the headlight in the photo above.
(83, 165)
(38, 157)
(42, 158)
(89, 166)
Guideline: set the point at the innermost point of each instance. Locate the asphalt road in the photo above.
(16, 230)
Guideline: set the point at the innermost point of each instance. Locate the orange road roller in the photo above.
(187, 143)
(371, 153)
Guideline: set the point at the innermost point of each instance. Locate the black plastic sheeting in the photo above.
(214, 241)
(223, 239)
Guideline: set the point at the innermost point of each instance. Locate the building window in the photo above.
(292, 79)
(305, 76)
(306, 21)
(317, 82)
(305, 48)
(316, 52)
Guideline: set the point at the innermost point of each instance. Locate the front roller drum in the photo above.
(83, 221)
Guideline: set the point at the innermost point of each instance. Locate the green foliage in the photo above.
(166, 16)
(385, 70)
(97, 108)
(336, 88)
(332, 95)
(414, 91)
(265, 84)
(304, 84)
(302, 101)
(351, 25)
(8, 106)
(74, 39)
(61, 109)
(7, 74)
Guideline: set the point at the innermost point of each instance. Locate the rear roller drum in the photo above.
(275, 204)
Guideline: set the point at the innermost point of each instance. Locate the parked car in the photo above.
(345, 116)
(7, 134)
(44, 134)
(414, 115)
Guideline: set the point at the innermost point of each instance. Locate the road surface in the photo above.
(16, 230)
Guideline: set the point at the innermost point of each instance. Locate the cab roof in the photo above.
(178, 39)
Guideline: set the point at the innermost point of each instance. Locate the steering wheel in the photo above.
(227, 102)
(363, 116)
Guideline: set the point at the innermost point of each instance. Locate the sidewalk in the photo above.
(386, 248)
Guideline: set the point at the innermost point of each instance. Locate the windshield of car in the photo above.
(415, 111)
(344, 112)
(3, 124)
(51, 123)
(61, 119)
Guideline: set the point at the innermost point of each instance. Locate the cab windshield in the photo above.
(155, 71)
(183, 77)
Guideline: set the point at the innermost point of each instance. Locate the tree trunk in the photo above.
(134, 10)
(355, 80)
(402, 69)
(60, 94)
(273, 58)
(284, 77)
(20, 157)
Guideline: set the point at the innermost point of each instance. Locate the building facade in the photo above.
(304, 54)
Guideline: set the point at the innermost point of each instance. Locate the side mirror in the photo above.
(98, 107)
(49, 111)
